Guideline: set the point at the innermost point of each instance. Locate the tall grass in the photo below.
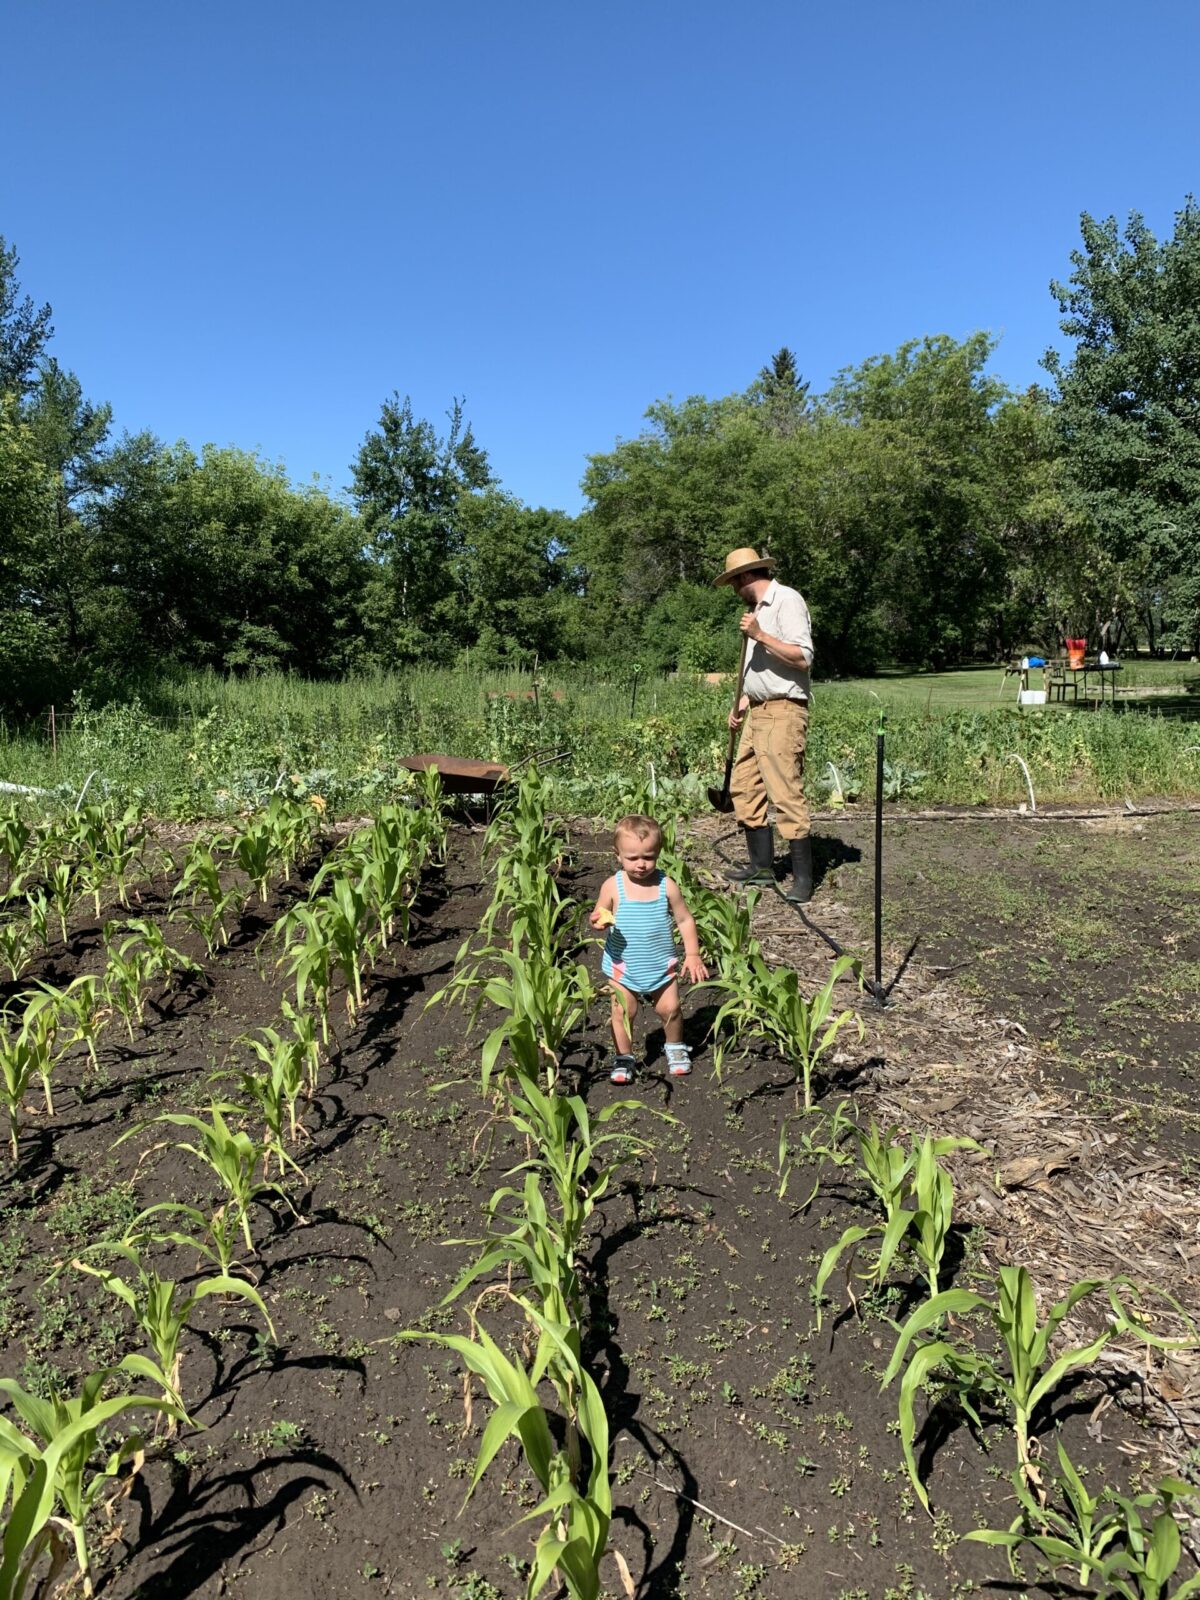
(200, 744)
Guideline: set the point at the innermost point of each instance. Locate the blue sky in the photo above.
(255, 221)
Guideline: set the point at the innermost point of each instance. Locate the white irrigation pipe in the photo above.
(839, 787)
(1013, 756)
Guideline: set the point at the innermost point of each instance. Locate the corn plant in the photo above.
(304, 1033)
(162, 1308)
(135, 962)
(308, 953)
(210, 907)
(37, 913)
(19, 1065)
(63, 890)
(1029, 1377)
(107, 846)
(214, 1237)
(18, 842)
(39, 1032)
(1103, 1535)
(18, 946)
(49, 1472)
(543, 1000)
(80, 1010)
(344, 916)
(273, 1092)
(915, 1195)
(273, 841)
(767, 1003)
(576, 1535)
(231, 1155)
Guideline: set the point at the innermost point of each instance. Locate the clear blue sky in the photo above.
(255, 221)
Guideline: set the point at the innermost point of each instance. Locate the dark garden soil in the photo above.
(753, 1456)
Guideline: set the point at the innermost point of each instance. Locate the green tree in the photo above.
(781, 395)
(1129, 412)
(30, 646)
(216, 560)
(25, 329)
(507, 577)
(409, 485)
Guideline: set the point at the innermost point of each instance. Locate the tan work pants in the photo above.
(770, 767)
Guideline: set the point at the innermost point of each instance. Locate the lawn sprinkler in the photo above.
(719, 798)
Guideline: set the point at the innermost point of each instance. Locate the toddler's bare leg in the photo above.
(624, 1010)
(670, 1012)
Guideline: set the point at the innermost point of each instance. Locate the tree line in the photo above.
(930, 514)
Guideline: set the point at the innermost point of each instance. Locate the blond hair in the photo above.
(644, 829)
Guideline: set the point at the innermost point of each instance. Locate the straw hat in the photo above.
(744, 560)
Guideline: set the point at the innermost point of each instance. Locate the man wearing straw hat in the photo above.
(776, 691)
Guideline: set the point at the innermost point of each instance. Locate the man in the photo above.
(774, 705)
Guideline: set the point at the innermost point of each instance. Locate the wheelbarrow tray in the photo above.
(460, 774)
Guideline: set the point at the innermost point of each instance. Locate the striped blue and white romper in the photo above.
(640, 949)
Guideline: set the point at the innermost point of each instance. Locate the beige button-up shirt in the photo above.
(782, 613)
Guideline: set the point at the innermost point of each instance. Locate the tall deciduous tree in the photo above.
(1129, 411)
(408, 485)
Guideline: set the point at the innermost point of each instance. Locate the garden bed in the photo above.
(752, 1455)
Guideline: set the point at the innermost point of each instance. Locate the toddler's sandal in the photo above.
(678, 1061)
(622, 1071)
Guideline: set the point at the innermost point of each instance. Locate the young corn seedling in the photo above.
(63, 888)
(210, 908)
(915, 1196)
(49, 1471)
(18, 842)
(1031, 1376)
(231, 1155)
(18, 946)
(284, 1063)
(107, 847)
(163, 1309)
(767, 1003)
(39, 1032)
(1103, 1536)
(344, 916)
(308, 953)
(215, 1238)
(141, 958)
(19, 1065)
(575, 1537)
(81, 1011)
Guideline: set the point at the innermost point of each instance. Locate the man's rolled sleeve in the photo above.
(795, 626)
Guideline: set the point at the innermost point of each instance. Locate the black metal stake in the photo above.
(878, 990)
(633, 696)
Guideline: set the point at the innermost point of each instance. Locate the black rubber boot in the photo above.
(800, 892)
(760, 846)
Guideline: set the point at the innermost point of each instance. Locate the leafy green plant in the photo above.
(1103, 1535)
(231, 1155)
(136, 961)
(49, 1476)
(18, 945)
(915, 1195)
(163, 1308)
(767, 1003)
(211, 906)
(1029, 1377)
(579, 1510)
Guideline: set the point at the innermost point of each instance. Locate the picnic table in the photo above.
(1061, 676)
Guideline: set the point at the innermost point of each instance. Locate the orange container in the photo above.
(1076, 651)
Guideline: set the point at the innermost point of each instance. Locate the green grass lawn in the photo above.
(1163, 685)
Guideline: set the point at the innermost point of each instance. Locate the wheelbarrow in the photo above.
(466, 775)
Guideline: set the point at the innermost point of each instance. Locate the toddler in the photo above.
(638, 905)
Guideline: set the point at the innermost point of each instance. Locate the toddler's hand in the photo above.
(601, 917)
(694, 969)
